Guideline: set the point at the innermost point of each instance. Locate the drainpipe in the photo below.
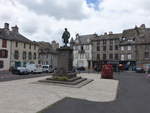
(10, 53)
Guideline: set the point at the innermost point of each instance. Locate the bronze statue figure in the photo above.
(65, 37)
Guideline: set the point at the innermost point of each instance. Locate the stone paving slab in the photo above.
(23, 96)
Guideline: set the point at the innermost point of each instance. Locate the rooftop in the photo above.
(13, 34)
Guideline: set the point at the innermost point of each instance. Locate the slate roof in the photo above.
(85, 39)
(46, 47)
(107, 36)
(141, 36)
(135, 31)
(13, 36)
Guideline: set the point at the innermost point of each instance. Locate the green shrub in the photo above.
(61, 78)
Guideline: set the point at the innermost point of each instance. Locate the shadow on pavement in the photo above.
(133, 97)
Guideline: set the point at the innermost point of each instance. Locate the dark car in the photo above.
(139, 70)
(81, 68)
(20, 71)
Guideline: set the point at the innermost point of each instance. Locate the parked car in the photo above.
(107, 71)
(20, 71)
(139, 70)
(80, 68)
(146, 68)
(46, 68)
(33, 68)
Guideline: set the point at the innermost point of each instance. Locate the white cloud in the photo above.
(46, 19)
(67, 9)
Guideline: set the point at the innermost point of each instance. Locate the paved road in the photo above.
(8, 76)
(133, 97)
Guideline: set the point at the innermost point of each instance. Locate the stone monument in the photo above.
(65, 58)
(65, 74)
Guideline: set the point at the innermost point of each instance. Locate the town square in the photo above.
(79, 56)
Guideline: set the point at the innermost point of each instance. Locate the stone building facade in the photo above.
(135, 46)
(48, 54)
(4, 54)
(15, 49)
(54, 44)
(82, 51)
(105, 49)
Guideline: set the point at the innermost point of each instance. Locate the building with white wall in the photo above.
(82, 51)
(15, 49)
(48, 54)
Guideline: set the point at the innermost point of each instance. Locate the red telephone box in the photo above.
(107, 71)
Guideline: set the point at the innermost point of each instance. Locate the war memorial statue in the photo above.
(65, 37)
(64, 74)
(65, 57)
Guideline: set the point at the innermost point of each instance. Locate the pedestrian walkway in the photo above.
(25, 96)
(133, 97)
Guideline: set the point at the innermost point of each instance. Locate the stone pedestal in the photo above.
(65, 59)
(65, 62)
(64, 75)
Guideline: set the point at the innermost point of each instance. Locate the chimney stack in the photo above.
(142, 26)
(15, 29)
(105, 33)
(6, 26)
(110, 32)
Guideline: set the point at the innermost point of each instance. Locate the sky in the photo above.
(45, 20)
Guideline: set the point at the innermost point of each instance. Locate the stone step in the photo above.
(85, 82)
(78, 81)
(82, 82)
(65, 82)
(73, 79)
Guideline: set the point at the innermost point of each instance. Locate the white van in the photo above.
(46, 68)
(33, 68)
